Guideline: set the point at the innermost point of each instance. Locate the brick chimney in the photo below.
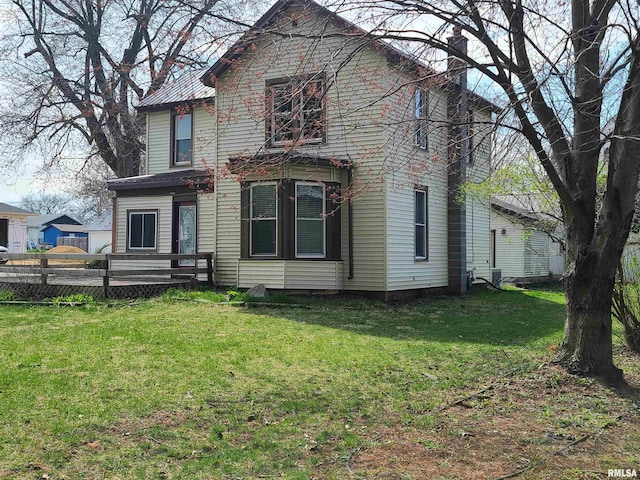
(457, 165)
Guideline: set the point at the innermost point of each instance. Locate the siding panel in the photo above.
(509, 249)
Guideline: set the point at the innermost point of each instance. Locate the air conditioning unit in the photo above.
(496, 276)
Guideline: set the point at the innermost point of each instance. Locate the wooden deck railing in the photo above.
(101, 265)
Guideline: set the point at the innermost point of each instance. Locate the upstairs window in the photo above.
(421, 99)
(181, 132)
(295, 111)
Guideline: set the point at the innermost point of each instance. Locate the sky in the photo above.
(15, 183)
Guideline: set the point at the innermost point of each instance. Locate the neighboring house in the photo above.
(520, 247)
(313, 158)
(51, 233)
(13, 228)
(100, 233)
(37, 224)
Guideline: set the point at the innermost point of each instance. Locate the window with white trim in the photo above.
(142, 230)
(296, 110)
(182, 129)
(421, 251)
(310, 220)
(421, 102)
(264, 219)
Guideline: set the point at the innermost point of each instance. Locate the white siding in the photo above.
(509, 249)
(17, 233)
(99, 238)
(536, 254)
(556, 258)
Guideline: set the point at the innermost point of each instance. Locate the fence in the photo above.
(111, 275)
(81, 242)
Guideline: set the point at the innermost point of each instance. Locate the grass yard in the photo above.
(189, 389)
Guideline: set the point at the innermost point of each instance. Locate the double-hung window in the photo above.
(264, 219)
(310, 220)
(421, 103)
(421, 251)
(142, 230)
(182, 145)
(296, 110)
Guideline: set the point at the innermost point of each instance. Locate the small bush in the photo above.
(626, 301)
(173, 294)
(76, 298)
(8, 296)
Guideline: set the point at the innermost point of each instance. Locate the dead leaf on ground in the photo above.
(93, 445)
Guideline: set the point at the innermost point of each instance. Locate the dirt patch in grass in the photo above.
(545, 424)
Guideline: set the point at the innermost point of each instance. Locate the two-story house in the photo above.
(313, 157)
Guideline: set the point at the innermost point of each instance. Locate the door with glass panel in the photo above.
(185, 229)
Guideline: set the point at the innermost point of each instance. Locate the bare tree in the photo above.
(46, 203)
(73, 68)
(567, 69)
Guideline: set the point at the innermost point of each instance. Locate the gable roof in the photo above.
(103, 223)
(394, 55)
(260, 27)
(67, 228)
(44, 220)
(11, 210)
(187, 88)
(513, 210)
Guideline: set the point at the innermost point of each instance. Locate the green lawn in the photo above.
(190, 389)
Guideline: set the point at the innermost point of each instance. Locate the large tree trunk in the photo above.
(589, 281)
(587, 346)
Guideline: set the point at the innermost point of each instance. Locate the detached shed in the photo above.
(520, 250)
(13, 228)
(100, 233)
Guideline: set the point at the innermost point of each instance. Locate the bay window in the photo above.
(291, 219)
